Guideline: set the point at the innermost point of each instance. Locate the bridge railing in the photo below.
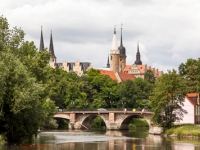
(106, 109)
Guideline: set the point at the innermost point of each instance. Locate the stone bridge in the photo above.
(114, 120)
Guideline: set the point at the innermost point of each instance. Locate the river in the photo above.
(110, 140)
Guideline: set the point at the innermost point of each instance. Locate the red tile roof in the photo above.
(141, 68)
(111, 74)
(125, 76)
(127, 68)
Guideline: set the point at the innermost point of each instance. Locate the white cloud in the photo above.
(168, 31)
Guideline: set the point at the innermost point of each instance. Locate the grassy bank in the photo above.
(188, 130)
(138, 122)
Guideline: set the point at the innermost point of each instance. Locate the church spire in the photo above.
(41, 41)
(51, 48)
(121, 34)
(138, 61)
(114, 42)
(122, 49)
(108, 63)
(115, 29)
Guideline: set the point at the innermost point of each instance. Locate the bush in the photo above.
(138, 122)
(62, 124)
(50, 124)
(98, 123)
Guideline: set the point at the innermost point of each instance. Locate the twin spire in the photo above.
(51, 48)
(122, 49)
(41, 41)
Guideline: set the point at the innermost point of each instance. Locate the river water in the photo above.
(111, 140)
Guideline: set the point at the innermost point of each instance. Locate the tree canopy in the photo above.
(167, 99)
(22, 79)
(190, 71)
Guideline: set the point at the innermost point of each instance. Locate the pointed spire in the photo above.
(108, 63)
(51, 48)
(41, 41)
(138, 61)
(138, 47)
(114, 42)
(121, 34)
(121, 48)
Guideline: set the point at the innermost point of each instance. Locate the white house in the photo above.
(192, 106)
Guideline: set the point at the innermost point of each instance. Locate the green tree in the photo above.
(57, 86)
(22, 79)
(128, 94)
(20, 100)
(167, 99)
(190, 71)
(149, 76)
(144, 90)
(105, 89)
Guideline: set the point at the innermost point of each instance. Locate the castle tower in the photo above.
(122, 59)
(138, 61)
(108, 63)
(51, 51)
(114, 54)
(41, 41)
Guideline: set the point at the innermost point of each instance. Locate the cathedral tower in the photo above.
(41, 41)
(138, 61)
(122, 59)
(114, 54)
(51, 51)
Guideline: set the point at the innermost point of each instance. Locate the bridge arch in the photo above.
(87, 121)
(63, 116)
(125, 123)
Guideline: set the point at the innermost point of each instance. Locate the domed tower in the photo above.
(114, 54)
(122, 56)
(51, 51)
(138, 61)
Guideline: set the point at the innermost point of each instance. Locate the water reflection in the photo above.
(110, 140)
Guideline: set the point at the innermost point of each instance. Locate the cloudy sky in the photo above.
(168, 31)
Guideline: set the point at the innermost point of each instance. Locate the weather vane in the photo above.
(121, 24)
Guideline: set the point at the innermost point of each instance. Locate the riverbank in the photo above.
(189, 131)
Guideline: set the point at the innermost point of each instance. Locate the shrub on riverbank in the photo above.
(98, 123)
(137, 122)
(184, 130)
(1, 138)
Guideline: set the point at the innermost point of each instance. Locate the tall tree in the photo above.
(22, 79)
(167, 99)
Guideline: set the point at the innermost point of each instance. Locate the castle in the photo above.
(118, 61)
(77, 66)
(117, 66)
